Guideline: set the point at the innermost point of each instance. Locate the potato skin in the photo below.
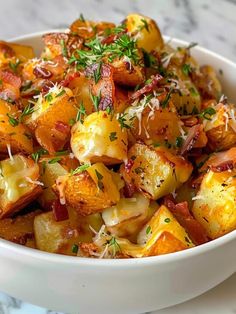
(87, 194)
(50, 121)
(99, 139)
(155, 171)
(59, 236)
(215, 206)
(20, 229)
(149, 36)
(19, 136)
(166, 235)
(17, 191)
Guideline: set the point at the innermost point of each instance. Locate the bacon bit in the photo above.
(195, 184)
(105, 87)
(46, 86)
(147, 88)
(41, 72)
(129, 190)
(224, 166)
(190, 121)
(184, 217)
(129, 165)
(62, 127)
(60, 211)
(10, 78)
(191, 139)
(69, 78)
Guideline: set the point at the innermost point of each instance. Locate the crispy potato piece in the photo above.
(12, 50)
(126, 73)
(214, 206)
(146, 30)
(163, 234)
(88, 29)
(99, 139)
(155, 126)
(207, 83)
(51, 118)
(60, 44)
(12, 133)
(18, 184)
(49, 174)
(155, 172)
(221, 128)
(60, 236)
(90, 191)
(129, 215)
(20, 229)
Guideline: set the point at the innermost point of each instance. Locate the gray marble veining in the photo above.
(211, 23)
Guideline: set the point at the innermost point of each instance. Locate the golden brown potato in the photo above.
(153, 125)
(13, 133)
(127, 73)
(20, 229)
(221, 127)
(19, 184)
(11, 52)
(49, 173)
(214, 205)
(89, 191)
(88, 29)
(129, 215)
(61, 236)
(155, 172)
(207, 83)
(163, 234)
(146, 32)
(51, 118)
(99, 139)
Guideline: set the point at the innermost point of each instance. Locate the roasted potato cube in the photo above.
(90, 191)
(127, 73)
(20, 229)
(11, 50)
(51, 118)
(155, 172)
(88, 29)
(207, 83)
(60, 236)
(155, 126)
(18, 184)
(49, 173)
(214, 205)
(146, 31)
(99, 139)
(128, 216)
(12, 133)
(163, 234)
(221, 127)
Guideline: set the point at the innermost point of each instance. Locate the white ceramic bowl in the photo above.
(85, 286)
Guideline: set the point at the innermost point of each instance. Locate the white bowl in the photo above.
(82, 285)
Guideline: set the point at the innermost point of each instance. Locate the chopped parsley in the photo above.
(113, 136)
(144, 26)
(81, 17)
(15, 65)
(179, 141)
(165, 102)
(13, 121)
(97, 73)
(99, 177)
(96, 100)
(148, 230)
(207, 113)
(81, 113)
(54, 160)
(167, 220)
(80, 169)
(63, 48)
(36, 156)
(74, 248)
(186, 69)
(122, 119)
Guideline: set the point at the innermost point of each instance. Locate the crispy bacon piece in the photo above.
(184, 217)
(104, 87)
(60, 211)
(191, 139)
(223, 166)
(148, 87)
(41, 72)
(62, 127)
(129, 189)
(69, 78)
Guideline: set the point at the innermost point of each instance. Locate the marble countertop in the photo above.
(210, 23)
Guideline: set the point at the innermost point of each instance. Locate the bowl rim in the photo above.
(129, 262)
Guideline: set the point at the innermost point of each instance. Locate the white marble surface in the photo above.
(211, 23)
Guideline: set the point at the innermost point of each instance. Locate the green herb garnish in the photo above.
(113, 136)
